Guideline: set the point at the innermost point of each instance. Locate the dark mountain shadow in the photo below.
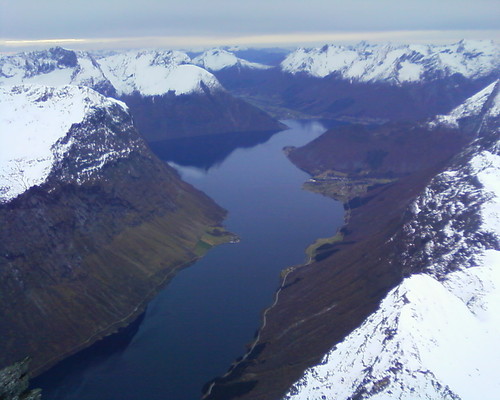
(206, 151)
(83, 360)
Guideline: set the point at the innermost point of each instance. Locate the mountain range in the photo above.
(368, 82)
(168, 96)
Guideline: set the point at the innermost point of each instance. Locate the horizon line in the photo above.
(271, 40)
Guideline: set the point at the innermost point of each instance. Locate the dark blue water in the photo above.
(199, 324)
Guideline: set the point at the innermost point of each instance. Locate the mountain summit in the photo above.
(218, 59)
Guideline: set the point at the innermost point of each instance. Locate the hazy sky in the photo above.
(108, 23)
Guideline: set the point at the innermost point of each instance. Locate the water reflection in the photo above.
(71, 371)
(204, 152)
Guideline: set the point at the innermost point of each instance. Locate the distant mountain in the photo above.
(55, 66)
(369, 83)
(217, 59)
(156, 73)
(396, 64)
(435, 334)
(171, 99)
(92, 222)
(181, 98)
(402, 302)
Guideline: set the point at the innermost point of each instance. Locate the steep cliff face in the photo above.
(412, 282)
(99, 225)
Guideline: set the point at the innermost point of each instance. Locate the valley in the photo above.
(396, 147)
(201, 322)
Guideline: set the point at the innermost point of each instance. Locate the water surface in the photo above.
(199, 324)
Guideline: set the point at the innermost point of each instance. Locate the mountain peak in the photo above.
(35, 123)
(485, 103)
(217, 59)
(152, 73)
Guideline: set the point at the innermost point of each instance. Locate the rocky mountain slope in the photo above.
(403, 299)
(434, 335)
(92, 222)
(14, 383)
(167, 95)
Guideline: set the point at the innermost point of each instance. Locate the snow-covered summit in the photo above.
(151, 73)
(486, 102)
(434, 336)
(38, 130)
(54, 67)
(396, 64)
(218, 59)
(146, 72)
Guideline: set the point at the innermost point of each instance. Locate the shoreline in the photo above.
(115, 326)
(284, 276)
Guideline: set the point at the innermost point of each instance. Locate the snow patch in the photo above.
(33, 121)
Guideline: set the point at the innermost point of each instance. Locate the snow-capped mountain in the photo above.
(153, 73)
(218, 59)
(396, 64)
(435, 335)
(42, 125)
(54, 67)
(92, 221)
(147, 72)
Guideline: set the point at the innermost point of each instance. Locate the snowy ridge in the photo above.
(153, 73)
(396, 64)
(218, 59)
(53, 67)
(435, 336)
(473, 107)
(146, 72)
(44, 132)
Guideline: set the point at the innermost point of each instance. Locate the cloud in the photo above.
(291, 39)
(36, 19)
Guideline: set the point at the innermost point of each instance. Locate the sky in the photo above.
(94, 24)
